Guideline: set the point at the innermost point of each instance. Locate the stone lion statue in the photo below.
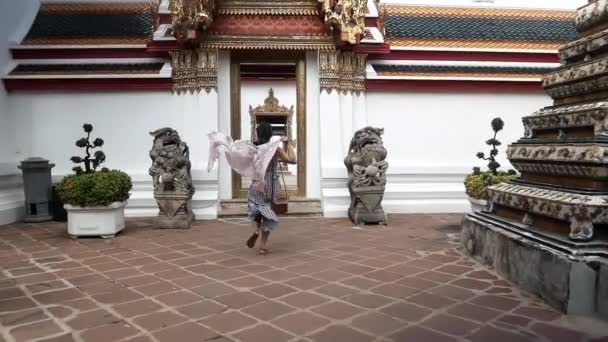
(171, 166)
(366, 165)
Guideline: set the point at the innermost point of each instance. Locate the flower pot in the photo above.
(96, 221)
(477, 205)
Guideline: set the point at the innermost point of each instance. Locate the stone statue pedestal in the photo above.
(367, 208)
(175, 210)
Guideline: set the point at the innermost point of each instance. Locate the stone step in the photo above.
(298, 207)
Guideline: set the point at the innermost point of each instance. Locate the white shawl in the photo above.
(243, 157)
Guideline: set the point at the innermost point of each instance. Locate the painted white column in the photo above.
(223, 112)
(331, 132)
(313, 126)
(346, 119)
(359, 111)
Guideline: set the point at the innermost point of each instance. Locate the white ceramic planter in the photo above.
(477, 205)
(96, 221)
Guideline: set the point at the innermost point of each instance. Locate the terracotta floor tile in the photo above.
(268, 310)
(304, 299)
(274, 290)
(33, 331)
(450, 325)
(305, 283)
(474, 312)
(228, 322)
(239, 300)
(407, 312)
(323, 281)
(338, 310)
(188, 332)
(301, 323)
(370, 301)
(201, 309)
(377, 324)
(138, 307)
(158, 320)
(341, 333)
(489, 333)
(430, 300)
(263, 333)
(113, 332)
(418, 334)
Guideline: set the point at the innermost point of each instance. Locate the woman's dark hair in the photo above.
(264, 131)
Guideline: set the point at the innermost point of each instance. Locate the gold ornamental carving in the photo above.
(194, 70)
(190, 16)
(343, 71)
(347, 17)
(271, 108)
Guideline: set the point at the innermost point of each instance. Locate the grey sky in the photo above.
(549, 4)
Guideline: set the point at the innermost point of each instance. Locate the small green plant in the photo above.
(493, 165)
(476, 184)
(89, 188)
(91, 163)
(95, 189)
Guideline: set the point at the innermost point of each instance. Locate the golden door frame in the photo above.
(299, 59)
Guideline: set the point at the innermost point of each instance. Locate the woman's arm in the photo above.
(287, 154)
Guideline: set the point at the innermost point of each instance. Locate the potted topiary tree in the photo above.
(476, 184)
(94, 200)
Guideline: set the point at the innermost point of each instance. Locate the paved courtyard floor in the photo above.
(323, 281)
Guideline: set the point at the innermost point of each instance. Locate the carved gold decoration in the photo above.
(272, 108)
(347, 17)
(267, 7)
(343, 71)
(194, 70)
(190, 16)
(267, 43)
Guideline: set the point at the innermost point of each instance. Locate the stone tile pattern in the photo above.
(323, 281)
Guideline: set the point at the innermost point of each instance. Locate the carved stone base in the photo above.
(175, 210)
(367, 207)
(570, 276)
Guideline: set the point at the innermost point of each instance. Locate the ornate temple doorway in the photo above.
(270, 86)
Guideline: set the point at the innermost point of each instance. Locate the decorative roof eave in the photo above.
(261, 7)
(271, 43)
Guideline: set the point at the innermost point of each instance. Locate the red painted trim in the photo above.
(165, 18)
(374, 49)
(163, 47)
(471, 56)
(85, 53)
(472, 86)
(82, 85)
(371, 22)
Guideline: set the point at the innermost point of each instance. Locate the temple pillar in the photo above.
(313, 126)
(346, 119)
(359, 111)
(223, 112)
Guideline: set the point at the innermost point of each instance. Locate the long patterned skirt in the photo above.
(260, 204)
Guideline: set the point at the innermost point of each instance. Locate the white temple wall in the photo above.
(15, 19)
(48, 124)
(432, 141)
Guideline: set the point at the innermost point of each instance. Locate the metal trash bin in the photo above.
(37, 187)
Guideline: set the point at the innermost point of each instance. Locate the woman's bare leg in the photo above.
(263, 242)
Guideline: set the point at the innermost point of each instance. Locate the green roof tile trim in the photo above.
(479, 28)
(87, 68)
(457, 68)
(48, 25)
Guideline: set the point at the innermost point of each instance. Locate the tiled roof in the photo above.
(490, 28)
(461, 71)
(86, 69)
(91, 24)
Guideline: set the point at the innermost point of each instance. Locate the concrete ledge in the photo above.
(12, 198)
(552, 271)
